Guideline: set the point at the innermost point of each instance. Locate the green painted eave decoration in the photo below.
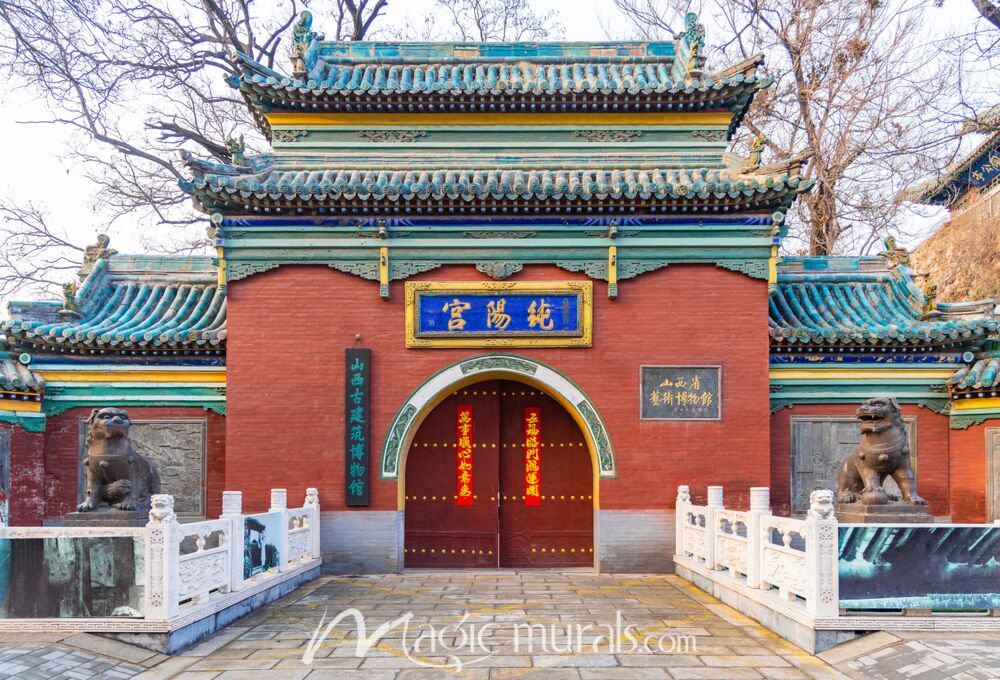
(29, 422)
(939, 405)
(61, 397)
(963, 421)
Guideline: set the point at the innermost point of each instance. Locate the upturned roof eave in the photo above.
(265, 90)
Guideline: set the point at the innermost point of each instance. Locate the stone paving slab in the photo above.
(481, 621)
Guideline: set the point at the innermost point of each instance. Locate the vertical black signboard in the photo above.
(357, 427)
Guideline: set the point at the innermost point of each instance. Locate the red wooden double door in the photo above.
(509, 522)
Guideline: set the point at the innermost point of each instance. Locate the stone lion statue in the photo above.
(821, 504)
(884, 452)
(116, 475)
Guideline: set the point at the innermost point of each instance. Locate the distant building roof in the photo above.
(858, 302)
(977, 169)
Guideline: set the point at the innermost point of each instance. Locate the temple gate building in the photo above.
(497, 301)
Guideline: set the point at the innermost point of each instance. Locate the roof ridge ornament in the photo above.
(894, 255)
(757, 145)
(236, 147)
(930, 310)
(694, 37)
(93, 253)
(302, 38)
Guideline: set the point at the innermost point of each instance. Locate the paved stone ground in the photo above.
(707, 639)
(920, 656)
(67, 656)
(485, 614)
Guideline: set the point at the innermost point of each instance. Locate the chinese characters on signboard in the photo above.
(464, 446)
(986, 170)
(463, 314)
(680, 393)
(357, 413)
(488, 314)
(532, 456)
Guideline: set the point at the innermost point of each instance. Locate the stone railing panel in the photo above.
(731, 542)
(756, 549)
(205, 568)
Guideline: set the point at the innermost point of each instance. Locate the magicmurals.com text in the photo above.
(465, 642)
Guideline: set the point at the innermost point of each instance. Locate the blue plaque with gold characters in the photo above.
(680, 393)
(499, 314)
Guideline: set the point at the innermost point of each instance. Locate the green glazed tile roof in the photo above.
(499, 79)
(15, 376)
(824, 302)
(152, 310)
(979, 375)
(332, 186)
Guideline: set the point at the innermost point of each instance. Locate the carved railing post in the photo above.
(312, 503)
(823, 586)
(714, 502)
(162, 558)
(760, 505)
(279, 503)
(680, 517)
(232, 509)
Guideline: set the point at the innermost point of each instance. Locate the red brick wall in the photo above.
(288, 328)
(27, 476)
(932, 452)
(968, 472)
(62, 442)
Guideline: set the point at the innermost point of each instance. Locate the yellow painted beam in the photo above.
(848, 374)
(23, 406)
(457, 119)
(975, 404)
(134, 376)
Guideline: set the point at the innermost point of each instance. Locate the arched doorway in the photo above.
(499, 474)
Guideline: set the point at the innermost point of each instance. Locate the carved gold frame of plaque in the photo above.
(585, 289)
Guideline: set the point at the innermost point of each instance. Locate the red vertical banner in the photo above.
(463, 423)
(532, 456)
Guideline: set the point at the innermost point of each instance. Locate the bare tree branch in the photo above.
(499, 20)
(139, 80)
(34, 256)
(854, 85)
(988, 10)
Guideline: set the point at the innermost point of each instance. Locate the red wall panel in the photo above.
(288, 328)
(933, 465)
(968, 472)
(62, 441)
(27, 476)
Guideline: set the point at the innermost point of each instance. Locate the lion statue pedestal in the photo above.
(884, 452)
(119, 481)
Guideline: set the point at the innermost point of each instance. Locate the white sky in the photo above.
(34, 170)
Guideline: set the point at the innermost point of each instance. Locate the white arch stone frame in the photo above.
(498, 366)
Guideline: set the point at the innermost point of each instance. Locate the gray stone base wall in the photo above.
(371, 542)
(635, 541)
(362, 542)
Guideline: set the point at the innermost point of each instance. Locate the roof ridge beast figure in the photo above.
(884, 451)
(117, 476)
